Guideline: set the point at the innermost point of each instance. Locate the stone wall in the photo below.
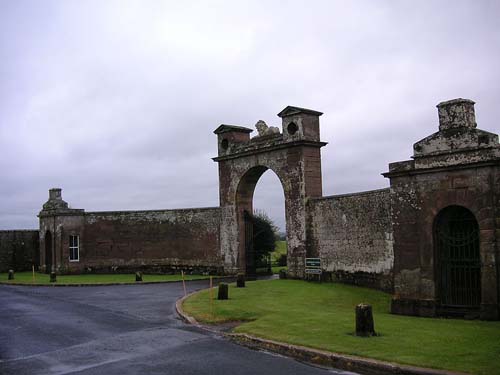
(161, 241)
(352, 234)
(18, 250)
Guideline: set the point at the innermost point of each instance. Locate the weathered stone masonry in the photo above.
(352, 234)
(294, 155)
(456, 167)
(433, 237)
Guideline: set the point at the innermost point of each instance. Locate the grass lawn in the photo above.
(41, 278)
(276, 254)
(322, 316)
(280, 249)
(277, 269)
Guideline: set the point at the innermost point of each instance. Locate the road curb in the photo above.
(178, 307)
(340, 361)
(314, 356)
(111, 284)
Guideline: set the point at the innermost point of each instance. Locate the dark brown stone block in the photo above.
(364, 320)
(223, 292)
(240, 281)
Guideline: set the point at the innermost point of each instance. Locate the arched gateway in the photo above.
(294, 155)
(458, 271)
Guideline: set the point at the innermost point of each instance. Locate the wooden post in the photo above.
(33, 270)
(364, 320)
(240, 280)
(183, 283)
(210, 296)
(223, 291)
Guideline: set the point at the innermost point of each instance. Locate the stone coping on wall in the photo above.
(347, 195)
(346, 362)
(18, 230)
(408, 167)
(253, 148)
(150, 211)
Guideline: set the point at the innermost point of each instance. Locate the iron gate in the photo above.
(459, 265)
(249, 248)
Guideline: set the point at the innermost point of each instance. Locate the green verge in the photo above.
(280, 250)
(41, 278)
(322, 316)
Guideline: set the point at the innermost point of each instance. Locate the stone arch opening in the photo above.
(48, 251)
(458, 261)
(245, 208)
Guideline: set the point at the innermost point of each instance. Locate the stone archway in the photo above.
(244, 208)
(294, 155)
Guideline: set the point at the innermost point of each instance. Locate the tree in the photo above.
(264, 235)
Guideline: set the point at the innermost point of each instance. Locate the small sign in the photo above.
(313, 262)
(313, 267)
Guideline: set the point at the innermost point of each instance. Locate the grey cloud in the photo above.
(116, 101)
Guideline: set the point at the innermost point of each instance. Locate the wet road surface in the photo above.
(123, 329)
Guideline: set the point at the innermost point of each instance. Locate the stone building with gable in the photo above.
(432, 238)
(446, 220)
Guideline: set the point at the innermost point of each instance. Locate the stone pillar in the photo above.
(456, 113)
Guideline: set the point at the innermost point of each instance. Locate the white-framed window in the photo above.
(74, 248)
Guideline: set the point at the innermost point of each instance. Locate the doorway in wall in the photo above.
(261, 198)
(458, 259)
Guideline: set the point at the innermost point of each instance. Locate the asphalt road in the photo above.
(127, 329)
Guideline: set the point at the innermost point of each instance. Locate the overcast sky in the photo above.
(116, 101)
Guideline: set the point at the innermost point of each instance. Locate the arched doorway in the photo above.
(245, 193)
(458, 259)
(48, 252)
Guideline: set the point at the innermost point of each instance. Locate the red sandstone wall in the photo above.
(157, 240)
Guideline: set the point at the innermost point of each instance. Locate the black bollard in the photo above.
(223, 291)
(11, 275)
(53, 277)
(240, 280)
(364, 320)
(282, 274)
(138, 276)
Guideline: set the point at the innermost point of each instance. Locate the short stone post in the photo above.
(53, 277)
(11, 275)
(282, 274)
(138, 276)
(240, 280)
(364, 320)
(223, 291)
